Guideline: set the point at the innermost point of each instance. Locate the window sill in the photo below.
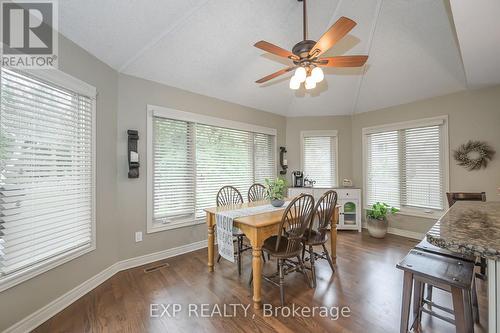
(432, 215)
(31, 272)
(152, 228)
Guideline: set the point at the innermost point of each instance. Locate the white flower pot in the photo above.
(377, 228)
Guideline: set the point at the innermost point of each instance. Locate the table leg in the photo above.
(333, 235)
(257, 277)
(211, 228)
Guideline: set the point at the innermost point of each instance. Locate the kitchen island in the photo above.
(474, 228)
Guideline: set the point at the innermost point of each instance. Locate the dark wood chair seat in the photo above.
(282, 250)
(313, 237)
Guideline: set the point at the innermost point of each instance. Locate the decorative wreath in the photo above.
(474, 155)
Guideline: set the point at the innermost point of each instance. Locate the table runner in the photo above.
(224, 222)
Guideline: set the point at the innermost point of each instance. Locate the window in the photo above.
(194, 156)
(406, 165)
(319, 157)
(46, 173)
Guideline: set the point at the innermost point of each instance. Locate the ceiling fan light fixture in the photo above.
(294, 83)
(310, 83)
(300, 74)
(317, 74)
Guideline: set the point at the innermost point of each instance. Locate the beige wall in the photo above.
(25, 298)
(134, 96)
(472, 115)
(342, 124)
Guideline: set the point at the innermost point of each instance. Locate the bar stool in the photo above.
(425, 246)
(442, 272)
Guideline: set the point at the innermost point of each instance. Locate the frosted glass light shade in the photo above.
(294, 83)
(300, 74)
(317, 74)
(310, 83)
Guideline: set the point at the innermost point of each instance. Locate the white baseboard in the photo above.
(403, 233)
(42, 315)
(406, 233)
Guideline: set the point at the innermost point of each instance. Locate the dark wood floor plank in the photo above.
(365, 280)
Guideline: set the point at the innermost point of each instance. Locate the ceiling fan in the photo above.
(306, 55)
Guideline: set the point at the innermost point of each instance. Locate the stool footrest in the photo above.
(437, 315)
(440, 307)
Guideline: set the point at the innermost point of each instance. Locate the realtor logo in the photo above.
(29, 36)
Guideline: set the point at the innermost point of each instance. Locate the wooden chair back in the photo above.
(295, 221)
(256, 192)
(323, 211)
(229, 195)
(464, 196)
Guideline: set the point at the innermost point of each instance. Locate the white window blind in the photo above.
(192, 161)
(223, 157)
(320, 156)
(382, 168)
(405, 168)
(173, 182)
(46, 180)
(264, 157)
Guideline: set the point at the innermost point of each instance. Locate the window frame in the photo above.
(321, 133)
(439, 120)
(68, 82)
(159, 111)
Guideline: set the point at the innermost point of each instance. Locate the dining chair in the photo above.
(256, 192)
(316, 236)
(465, 196)
(288, 243)
(229, 195)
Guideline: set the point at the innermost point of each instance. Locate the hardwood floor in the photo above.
(365, 280)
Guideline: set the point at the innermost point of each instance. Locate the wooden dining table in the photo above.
(258, 228)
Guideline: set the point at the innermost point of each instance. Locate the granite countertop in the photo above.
(469, 227)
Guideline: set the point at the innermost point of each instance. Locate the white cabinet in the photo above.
(349, 200)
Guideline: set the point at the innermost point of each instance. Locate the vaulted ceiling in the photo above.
(205, 46)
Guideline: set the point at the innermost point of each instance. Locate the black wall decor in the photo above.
(133, 155)
(283, 161)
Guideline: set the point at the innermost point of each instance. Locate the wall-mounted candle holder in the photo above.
(133, 155)
(283, 161)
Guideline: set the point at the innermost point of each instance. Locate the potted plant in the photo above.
(376, 219)
(275, 191)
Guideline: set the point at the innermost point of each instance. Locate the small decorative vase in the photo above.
(377, 228)
(277, 202)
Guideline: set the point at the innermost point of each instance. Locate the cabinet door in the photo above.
(349, 217)
(350, 212)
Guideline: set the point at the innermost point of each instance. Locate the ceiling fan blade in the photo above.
(343, 61)
(278, 73)
(336, 32)
(271, 48)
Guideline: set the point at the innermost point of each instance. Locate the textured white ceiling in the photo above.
(205, 46)
(478, 30)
